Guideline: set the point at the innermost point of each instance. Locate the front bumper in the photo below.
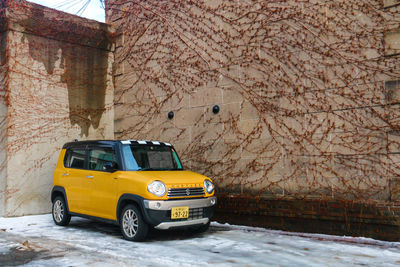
(158, 213)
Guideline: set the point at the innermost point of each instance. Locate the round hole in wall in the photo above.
(170, 115)
(215, 109)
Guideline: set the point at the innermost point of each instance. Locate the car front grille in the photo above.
(195, 213)
(185, 192)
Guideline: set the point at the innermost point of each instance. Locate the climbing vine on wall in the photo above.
(55, 86)
(306, 107)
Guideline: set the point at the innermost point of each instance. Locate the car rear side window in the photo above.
(75, 158)
(99, 156)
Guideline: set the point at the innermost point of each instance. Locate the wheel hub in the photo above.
(58, 211)
(130, 223)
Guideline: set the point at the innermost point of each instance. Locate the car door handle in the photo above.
(65, 174)
(89, 176)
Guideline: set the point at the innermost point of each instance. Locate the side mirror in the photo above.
(110, 166)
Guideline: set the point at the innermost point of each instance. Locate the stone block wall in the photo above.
(304, 109)
(58, 88)
(392, 87)
(308, 97)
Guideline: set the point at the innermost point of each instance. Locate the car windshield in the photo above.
(150, 158)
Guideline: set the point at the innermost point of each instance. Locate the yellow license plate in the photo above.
(179, 212)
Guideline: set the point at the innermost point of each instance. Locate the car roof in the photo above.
(113, 142)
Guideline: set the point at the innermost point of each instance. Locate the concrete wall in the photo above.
(308, 107)
(3, 120)
(304, 109)
(59, 89)
(392, 86)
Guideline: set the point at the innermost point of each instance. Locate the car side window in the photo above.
(99, 156)
(75, 158)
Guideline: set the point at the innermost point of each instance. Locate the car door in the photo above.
(78, 184)
(104, 195)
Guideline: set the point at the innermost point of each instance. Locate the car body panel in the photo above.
(104, 194)
(99, 194)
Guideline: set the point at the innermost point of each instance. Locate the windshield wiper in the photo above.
(153, 169)
(146, 169)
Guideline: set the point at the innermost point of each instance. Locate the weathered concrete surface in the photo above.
(3, 120)
(59, 89)
(390, 3)
(287, 108)
(305, 113)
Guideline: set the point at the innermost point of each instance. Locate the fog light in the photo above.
(213, 201)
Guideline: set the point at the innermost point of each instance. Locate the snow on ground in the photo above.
(37, 241)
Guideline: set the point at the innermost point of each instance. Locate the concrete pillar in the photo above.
(58, 88)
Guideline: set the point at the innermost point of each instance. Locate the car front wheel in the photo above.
(59, 211)
(133, 227)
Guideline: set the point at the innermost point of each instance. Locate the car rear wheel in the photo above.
(133, 227)
(60, 213)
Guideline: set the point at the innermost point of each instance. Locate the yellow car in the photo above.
(134, 184)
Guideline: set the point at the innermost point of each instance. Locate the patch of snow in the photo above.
(85, 242)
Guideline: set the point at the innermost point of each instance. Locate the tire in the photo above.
(203, 228)
(60, 212)
(132, 225)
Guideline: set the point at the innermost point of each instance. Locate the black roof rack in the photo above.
(77, 143)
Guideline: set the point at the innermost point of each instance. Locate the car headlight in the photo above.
(209, 186)
(157, 188)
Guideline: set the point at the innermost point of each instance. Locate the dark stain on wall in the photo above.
(85, 75)
(85, 71)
